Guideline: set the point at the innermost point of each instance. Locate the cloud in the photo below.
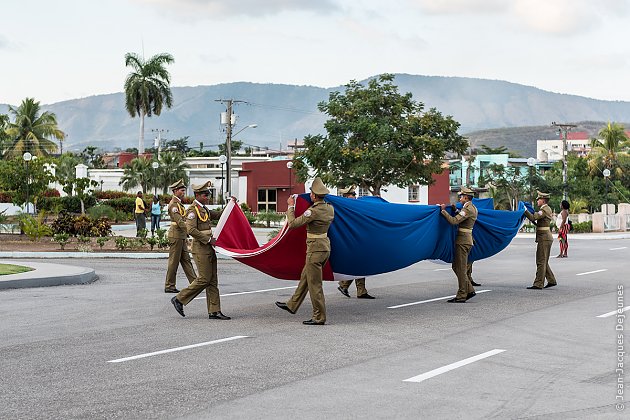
(553, 17)
(207, 9)
(448, 7)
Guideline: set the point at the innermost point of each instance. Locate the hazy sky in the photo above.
(65, 49)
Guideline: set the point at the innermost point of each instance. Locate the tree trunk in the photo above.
(141, 137)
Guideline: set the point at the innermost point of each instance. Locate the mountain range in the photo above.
(486, 109)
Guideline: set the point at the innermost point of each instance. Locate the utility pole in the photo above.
(159, 132)
(564, 129)
(229, 119)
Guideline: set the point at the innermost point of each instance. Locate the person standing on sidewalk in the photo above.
(563, 229)
(544, 240)
(465, 220)
(177, 236)
(139, 214)
(198, 225)
(362, 292)
(317, 219)
(156, 214)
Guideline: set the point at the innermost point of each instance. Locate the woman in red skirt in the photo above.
(563, 229)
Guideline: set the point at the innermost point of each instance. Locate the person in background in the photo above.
(362, 292)
(544, 239)
(563, 229)
(156, 214)
(139, 214)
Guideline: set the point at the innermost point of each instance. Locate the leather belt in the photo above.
(465, 230)
(316, 235)
(543, 228)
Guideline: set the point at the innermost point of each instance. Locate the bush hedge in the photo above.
(81, 225)
(68, 204)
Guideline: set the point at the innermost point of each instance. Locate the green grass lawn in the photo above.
(13, 269)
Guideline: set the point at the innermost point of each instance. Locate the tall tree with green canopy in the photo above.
(378, 137)
(172, 167)
(147, 88)
(31, 130)
(4, 137)
(605, 151)
(138, 172)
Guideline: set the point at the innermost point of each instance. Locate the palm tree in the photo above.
(137, 173)
(31, 130)
(605, 152)
(147, 88)
(172, 167)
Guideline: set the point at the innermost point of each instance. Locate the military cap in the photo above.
(177, 185)
(466, 191)
(542, 195)
(318, 187)
(348, 190)
(200, 188)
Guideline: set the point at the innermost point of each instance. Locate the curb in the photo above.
(41, 276)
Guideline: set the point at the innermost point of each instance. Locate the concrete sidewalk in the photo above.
(46, 274)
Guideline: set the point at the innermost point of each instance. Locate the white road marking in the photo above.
(192, 346)
(592, 272)
(617, 249)
(443, 269)
(253, 291)
(452, 366)
(607, 314)
(430, 300)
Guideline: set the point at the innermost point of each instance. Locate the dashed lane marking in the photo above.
(618, 311)
(430, 300)
(452, 366)
(252, 291)
(617, 249)
(592, 272)
(192, 346)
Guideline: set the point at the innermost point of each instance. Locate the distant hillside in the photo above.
(285, 112)
(522, 140)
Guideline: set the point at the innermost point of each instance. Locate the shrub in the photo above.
(64, 224)
(33, 227)
(152, 241)
(160, 233)
(51, 192)
(245, 208)
(122, 242)
(142, 233)
(81, 225)
(102, 210)
(101, 241)
(126, 204)
(61, 238)
(250, 217)
(163, 242)
(584, 227)
(108, 195)
(68, 204)
(268, 217)
(6, 197)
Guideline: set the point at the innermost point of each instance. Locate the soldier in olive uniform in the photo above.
(544, 239)
(198, 225)
(465, 220)
(317, 219)
(177, 234)
(362, 292)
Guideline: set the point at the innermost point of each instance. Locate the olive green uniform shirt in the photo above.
(542, 219)
(466, 219)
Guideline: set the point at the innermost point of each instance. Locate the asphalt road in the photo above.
(86, 351)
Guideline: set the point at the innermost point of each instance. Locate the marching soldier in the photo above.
(198, 225)
(544, 240)
(317, 219)
(465, 220)
(362, 292)
(177, 234)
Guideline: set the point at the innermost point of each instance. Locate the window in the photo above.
(267, 200)
(363, 192)
(413, 193)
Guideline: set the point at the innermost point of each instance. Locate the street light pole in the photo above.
(27, 158)
(606, 174)
(154, 165)
(564, 129)
(290, 165)
(222, 160)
